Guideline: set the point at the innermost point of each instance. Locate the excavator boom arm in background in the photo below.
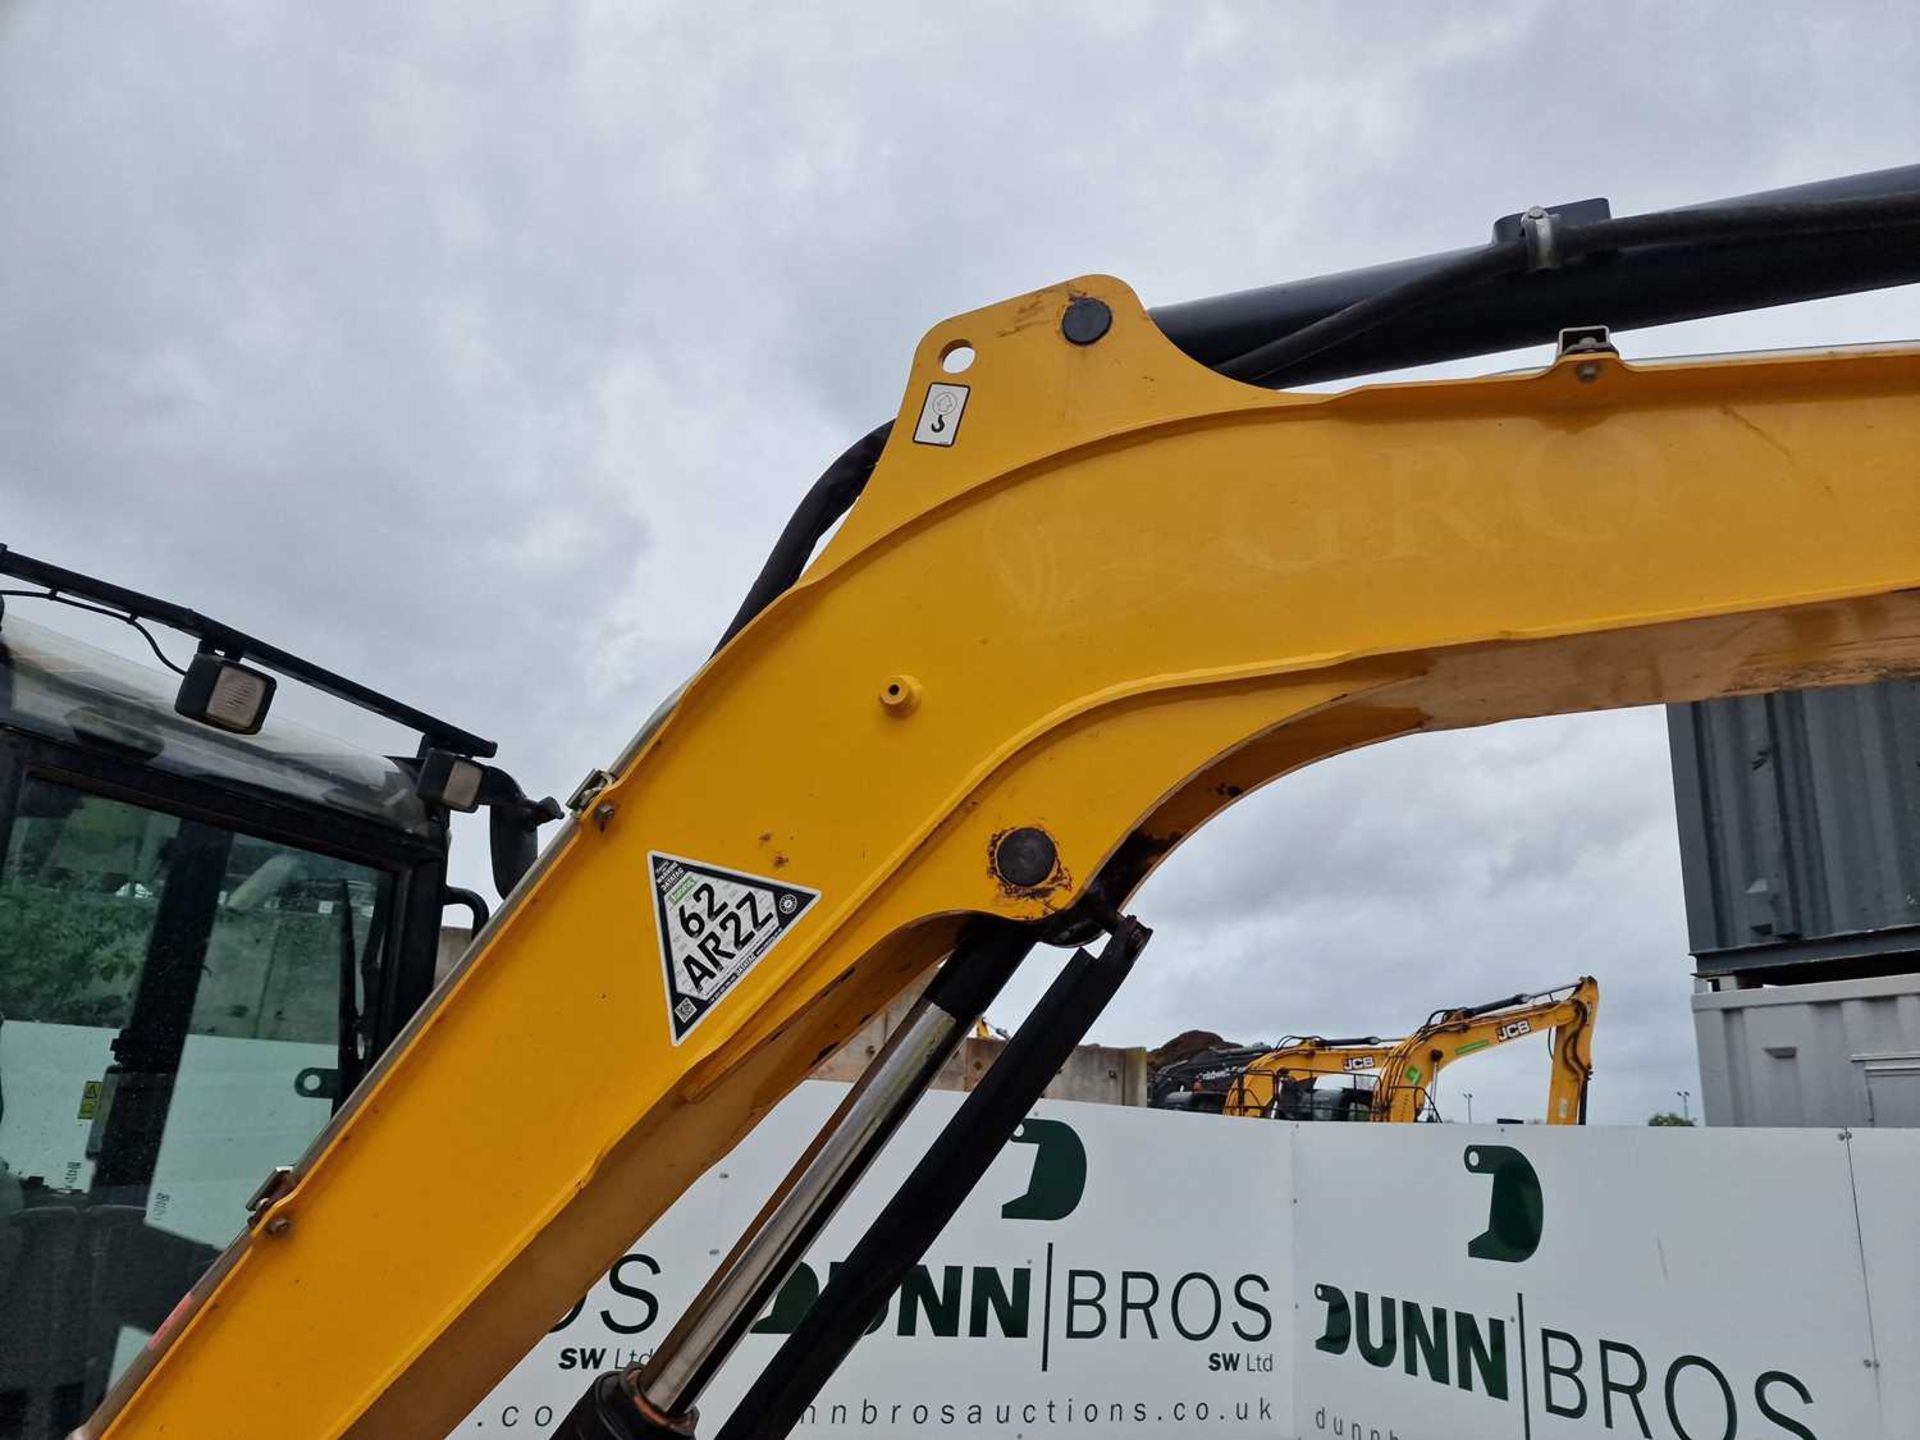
(1407, 1079)
(1093, 593)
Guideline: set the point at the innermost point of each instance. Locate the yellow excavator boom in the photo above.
(1109, 593)
(1407, 1079)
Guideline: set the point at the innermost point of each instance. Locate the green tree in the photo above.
(1668, 1117)
(67, 957)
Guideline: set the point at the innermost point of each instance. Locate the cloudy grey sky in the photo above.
(480, 351)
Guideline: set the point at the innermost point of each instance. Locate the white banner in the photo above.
(1554, 1283)
(1131, 1272)
(1112, 1274)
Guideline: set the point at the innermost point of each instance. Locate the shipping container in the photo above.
(1799, 818)
(1844, 1053)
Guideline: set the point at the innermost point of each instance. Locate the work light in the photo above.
(450, 780)
(224, 694)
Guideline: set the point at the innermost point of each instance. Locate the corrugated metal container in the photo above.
(1842, 1053)
(1800, 828)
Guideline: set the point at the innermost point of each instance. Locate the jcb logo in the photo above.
(1359, 1062)
(1516, 1027)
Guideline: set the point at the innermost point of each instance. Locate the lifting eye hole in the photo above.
(956, 358)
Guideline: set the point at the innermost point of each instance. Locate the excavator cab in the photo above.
(1328, 1098)
(205, 938)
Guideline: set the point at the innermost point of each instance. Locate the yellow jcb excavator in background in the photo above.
(1094, 583)
(1283, 1084)
(1393, 1080)
(1405, 1090)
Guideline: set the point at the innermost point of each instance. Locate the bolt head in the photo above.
(1025, 857)
(1086, 320)
(279, 1224)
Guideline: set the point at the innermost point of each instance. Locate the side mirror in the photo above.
(513, 840)
(513, 827)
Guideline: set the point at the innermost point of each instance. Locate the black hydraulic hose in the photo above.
(1358, 318)
(831, 496)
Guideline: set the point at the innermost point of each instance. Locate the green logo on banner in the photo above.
(1059, 1176)
(1516, 1211)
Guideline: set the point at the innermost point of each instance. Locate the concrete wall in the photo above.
(1095, 1074)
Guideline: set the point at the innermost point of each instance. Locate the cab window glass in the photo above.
(177, 1005)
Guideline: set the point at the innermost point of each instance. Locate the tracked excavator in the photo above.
(1284, 1082)
(1104, 573)
(1393, 1080)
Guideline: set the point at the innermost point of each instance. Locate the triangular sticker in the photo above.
(715, 926)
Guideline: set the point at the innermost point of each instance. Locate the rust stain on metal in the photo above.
(1040, 309)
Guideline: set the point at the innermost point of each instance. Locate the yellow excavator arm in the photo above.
(1407, 1079)
(1093, 593)
(1257, 1089)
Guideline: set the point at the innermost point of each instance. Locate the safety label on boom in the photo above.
(715, 926)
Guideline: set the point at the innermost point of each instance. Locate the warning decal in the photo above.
(715, 926)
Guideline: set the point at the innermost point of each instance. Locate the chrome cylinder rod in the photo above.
(680, 1368)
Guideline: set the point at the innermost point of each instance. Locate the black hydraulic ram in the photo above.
(1807, 242)
(945, 1176)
